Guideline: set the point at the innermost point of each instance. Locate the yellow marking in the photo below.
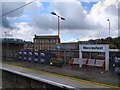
(63, 76)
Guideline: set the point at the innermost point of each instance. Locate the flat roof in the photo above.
(12, 40)
(46, 36)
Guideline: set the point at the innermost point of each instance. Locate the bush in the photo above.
(56, 62)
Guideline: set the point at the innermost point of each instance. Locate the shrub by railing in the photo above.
(56, 62)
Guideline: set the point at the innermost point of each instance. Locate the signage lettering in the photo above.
(98, 48)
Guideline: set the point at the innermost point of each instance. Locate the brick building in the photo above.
(49, 43)
(45, 42)
(28, 45)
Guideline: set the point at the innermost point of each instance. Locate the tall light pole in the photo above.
(109, 26)
(59, 17)
(109, 31)
(7, 51)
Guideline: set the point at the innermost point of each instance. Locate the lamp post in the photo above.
(109, 26)
(59, 17)
(7, 49)
(109, 30)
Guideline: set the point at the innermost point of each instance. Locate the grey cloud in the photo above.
(118, 8)
(8, 35)
(73, 12)
(6, 23)
(7, 7)
(112, 9)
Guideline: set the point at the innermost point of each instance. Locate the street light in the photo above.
(109, 30)
(7, 49)
(109, 26)
(59, 17)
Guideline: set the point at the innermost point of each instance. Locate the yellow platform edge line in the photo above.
(59, 75)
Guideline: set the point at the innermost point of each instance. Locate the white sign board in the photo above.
(93, 48)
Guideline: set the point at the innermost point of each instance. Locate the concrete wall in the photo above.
(11, 80)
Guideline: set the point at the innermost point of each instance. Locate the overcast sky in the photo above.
(85, 19)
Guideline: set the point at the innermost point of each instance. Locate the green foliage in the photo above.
(112, 46)
(113, 42)
(55, 60)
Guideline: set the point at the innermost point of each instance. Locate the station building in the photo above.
(10, 47)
